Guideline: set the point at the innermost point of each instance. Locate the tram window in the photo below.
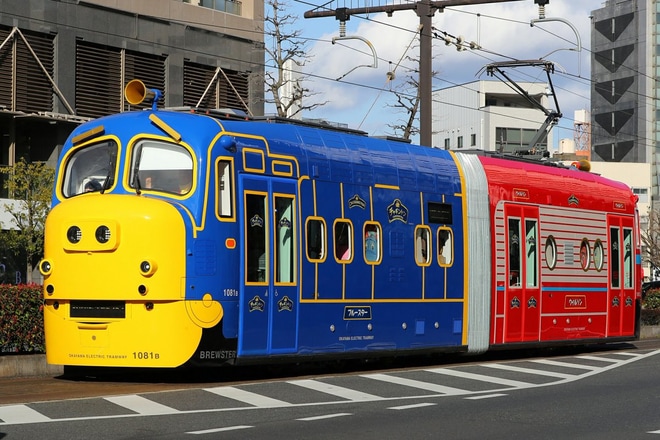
(531, 255)
(225, 190)
(90, 167)
(445, 247)
(551, 252)
(284, 242)
(161, 166)
(255, 238)
(315, 239)
(598, 255)
(627, 259)
(514, 252)
(585, 254)
(372, 244)
(343, 237)
(423, 245)
(614, 257)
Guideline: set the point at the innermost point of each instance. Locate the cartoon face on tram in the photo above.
(188, 238)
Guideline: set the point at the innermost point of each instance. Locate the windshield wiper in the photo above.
(109, 179)
(136, 173)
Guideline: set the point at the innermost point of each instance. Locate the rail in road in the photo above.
(474, 381)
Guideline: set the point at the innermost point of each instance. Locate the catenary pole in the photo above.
(425, 11)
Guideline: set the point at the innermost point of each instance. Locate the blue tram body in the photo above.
(220, 240)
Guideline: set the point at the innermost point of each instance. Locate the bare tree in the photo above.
(407, 102)
(285, 53)
(651, 240)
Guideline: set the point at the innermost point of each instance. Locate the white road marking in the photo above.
(486, 396)
(17, 414)
(247, 397)
(436, 388)
(323, 417)
(654, 432)
(228, 428)
(600, 359)
(344, 393)
(529, 371)
(565, 364)
(23, 414)
(419, 405)
(141, 405)
(481, 377)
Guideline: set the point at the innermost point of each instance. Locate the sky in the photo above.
(362, 98)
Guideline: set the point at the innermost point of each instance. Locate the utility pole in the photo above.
(425, 11)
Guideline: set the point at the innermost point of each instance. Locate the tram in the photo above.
(205, 238)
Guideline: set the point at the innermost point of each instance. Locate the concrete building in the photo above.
(623, 93)
(62, 62)
(625, 65)
(488, 115)
(66, 61)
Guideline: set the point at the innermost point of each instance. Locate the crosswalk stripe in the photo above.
(565, 364)
(481, 377)
(344, 393)
(530, 371)
(14, 414)
(436, 388)
(141, 405)
(627, 353)
(600, 359)
(247, 397)
(214, 430)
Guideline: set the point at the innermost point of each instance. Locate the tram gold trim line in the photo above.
(165, 127)
(87, 135)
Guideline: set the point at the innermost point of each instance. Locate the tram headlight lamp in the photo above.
(148, 268)
(74, 234)
(45, 267)
(103, 234)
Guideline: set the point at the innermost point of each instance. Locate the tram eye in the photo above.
(103, 234)
(45, 266)
(147, 268)
(74, 234)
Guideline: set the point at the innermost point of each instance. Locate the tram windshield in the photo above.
(90, 169)
(161, 166)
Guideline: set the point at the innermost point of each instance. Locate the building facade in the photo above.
(488, 115)
(63, 62)
(623, 92)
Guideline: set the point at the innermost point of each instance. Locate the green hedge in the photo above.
(21, 319)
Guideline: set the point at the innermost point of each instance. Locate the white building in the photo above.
(488, 115)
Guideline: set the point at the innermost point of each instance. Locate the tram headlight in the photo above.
(103, 234)
(74, 234)
(45, 267)
(148, 268)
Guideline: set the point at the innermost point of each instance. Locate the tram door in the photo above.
(621, 292)
(522, 307)
(269, 296)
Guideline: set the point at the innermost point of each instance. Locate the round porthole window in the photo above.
(585, 254)
(550, 252)
(598, 255)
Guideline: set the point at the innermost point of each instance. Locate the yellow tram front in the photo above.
(115, 247)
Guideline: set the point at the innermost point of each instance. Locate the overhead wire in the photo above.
(439, 77)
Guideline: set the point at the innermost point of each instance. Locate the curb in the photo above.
(29, 365)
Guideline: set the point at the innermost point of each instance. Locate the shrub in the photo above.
(21, 319)
(652, 300)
